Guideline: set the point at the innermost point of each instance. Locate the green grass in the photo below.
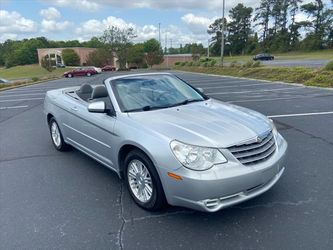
(29, 72)
(306, 76)
(296, 55)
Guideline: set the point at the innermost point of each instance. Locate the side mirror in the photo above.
(201, 90)
(97, 107)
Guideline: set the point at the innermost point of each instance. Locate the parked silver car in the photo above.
(168, 141)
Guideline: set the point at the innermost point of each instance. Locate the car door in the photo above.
(91, 132)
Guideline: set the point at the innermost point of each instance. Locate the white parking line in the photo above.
(14, 107)
(235, 86)
(302, 114)
(19, 100)
(276, 99)
(251, 91)
(22, 94)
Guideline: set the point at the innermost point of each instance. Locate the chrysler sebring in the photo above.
(169, 141)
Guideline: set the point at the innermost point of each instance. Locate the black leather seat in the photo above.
(100, 93)
(85, 92)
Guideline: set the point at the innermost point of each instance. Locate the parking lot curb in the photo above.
(254, 79)
(29, 84)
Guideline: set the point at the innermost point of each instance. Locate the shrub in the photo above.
(46, 64)
(205, 64)
(329, 66)
(248, 64)
(256, 64)
(190, 63)
(35, 79)
(177, 63)
(70, 57)
(234, 64)
(182, 63)
(212, 62)
(196, 63)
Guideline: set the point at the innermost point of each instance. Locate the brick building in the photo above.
(55, 54)
(170, 60)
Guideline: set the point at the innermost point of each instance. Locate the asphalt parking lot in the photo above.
(53, 200)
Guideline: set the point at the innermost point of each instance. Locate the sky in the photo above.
(181, 21)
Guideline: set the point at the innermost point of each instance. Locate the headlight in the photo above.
(195, 157)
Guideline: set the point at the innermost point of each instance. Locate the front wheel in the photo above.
(143, 181)
(88, 74)
(69, 75)
(56, 136)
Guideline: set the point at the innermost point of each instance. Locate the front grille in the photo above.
(254, 153)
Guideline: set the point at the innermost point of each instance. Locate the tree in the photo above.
(239, 28)
(154, 52)
(136, 55)
(100, 57)
(215, 30)
(94, 42)
(46, 64)
(118, 41)
(70, 57)
(263, 13)
(321, 24)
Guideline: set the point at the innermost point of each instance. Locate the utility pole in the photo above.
(166, 49)
(170, 43)
(208, 49)
(159, 33)
(222, 34)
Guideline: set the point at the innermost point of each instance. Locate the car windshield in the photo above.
(144, 93)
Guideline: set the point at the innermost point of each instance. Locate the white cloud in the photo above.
(94, 5)
(6, 36)
(14, 22)
(95, 27)
(87, 5)
(50, 13)
(50, 26)
(178, 36)
(197, 24)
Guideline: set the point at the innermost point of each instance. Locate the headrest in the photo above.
(99, 92)
(133, 88)
(86, 89)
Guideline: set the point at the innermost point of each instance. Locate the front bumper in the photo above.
(224, 185)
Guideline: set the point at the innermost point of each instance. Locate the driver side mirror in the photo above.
(201, 90)
(97, 107)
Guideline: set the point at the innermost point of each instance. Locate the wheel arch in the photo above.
(124, 150)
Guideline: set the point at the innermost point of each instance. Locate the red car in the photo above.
(80, 72)
(109, 68)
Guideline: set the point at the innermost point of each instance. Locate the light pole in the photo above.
(222, 34)
(159, 33)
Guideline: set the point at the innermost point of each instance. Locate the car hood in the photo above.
(209, 123)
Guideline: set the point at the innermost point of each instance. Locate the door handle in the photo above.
(74, 108)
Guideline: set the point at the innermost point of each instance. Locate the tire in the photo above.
(88, 74)
(69, 75)
(57, 140)
(156, 200)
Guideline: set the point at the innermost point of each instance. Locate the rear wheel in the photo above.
(88, 74)
(143, 181)
(56, 136)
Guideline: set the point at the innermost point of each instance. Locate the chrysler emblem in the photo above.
(259, 139)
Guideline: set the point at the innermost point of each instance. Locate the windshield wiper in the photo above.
(185, 102)
(148, 107)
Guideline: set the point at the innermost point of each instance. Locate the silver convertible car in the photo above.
(168, 141)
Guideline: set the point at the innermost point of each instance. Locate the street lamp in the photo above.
(222, 34)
